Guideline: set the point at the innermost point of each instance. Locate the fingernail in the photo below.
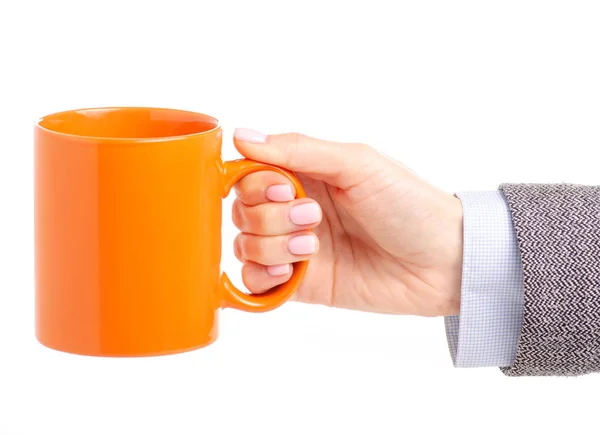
(302, 245)
(278, 270)
(280, 193)
(305, 214)
(248, 135)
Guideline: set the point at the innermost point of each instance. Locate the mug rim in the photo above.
(217, 127)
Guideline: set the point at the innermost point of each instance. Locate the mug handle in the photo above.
(231, 296)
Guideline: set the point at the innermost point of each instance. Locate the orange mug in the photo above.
(128, 232)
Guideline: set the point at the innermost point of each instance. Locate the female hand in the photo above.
(382, 239)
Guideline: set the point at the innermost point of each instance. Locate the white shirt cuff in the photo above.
(487, 330)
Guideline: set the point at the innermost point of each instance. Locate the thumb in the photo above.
(340, 164)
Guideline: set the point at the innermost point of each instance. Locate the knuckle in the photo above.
(238, 214)
(242, 196)
(248, 277)
(238, 248)
(293, 138)
(297, 138)
(296, 142)
(251, 247)
(262, 219)
(254, 220)
(262, 248)
(263, 251)
(362, 148)
(368, 157)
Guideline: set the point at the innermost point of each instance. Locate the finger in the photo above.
(272, 219)
(264, 186)
(340, 164)
(259, 279)
(275, 250)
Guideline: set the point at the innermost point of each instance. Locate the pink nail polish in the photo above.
(280, 193)
(303, 245)
(248, 135)
(278, 270)
(305, 214)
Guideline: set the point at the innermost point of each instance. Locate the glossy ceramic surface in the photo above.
(128, 232)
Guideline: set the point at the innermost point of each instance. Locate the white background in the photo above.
(468, 94)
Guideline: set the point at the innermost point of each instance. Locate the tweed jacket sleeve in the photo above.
(558, 232)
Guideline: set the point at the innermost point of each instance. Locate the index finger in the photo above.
(252, 189)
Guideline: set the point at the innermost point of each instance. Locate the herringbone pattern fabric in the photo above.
(558, 231)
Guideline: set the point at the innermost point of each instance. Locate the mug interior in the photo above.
(128, 123)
